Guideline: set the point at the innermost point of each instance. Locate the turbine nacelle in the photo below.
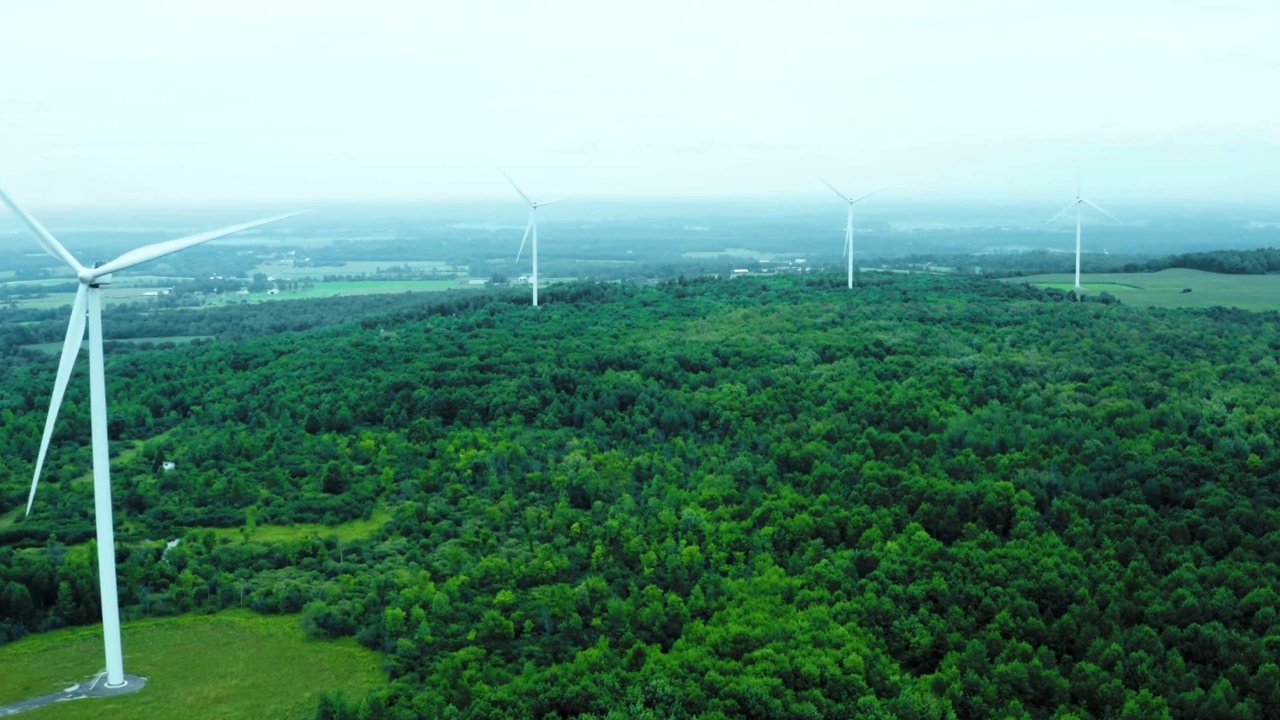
(92, 278)
(849, 198)
(1076, 204)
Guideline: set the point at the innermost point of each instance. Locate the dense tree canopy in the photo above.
(925, 498)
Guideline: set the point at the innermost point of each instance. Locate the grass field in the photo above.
(354, 267)
(1164, 288)
(317, 290)
(120, 293)
(346, 532)
(110, 296)
(131, 282)
(234, 664)
(334, 289)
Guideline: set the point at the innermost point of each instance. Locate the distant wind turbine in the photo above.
(88, 305)
(848, 226)
(530, 227)
(1076, 204)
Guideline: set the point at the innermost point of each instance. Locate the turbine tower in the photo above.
(88, 306)
(848, 225)
(1076, 204)
(530, 227)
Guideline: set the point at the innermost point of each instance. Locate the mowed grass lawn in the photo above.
(1164, 288)
(234, 664)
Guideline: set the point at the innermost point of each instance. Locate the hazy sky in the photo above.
(244, 100)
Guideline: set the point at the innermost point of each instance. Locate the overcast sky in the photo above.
(159, 101)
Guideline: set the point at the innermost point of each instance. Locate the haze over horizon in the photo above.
(143, 102)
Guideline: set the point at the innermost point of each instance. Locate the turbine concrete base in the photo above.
(95, 688)
(99, 687)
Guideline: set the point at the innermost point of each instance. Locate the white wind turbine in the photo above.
(1076, 204)
(530, 227)
(88, 305)
(848, 226)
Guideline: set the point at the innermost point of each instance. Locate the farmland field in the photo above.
(110, 296)
(354, 267)
(234, 664)
(118, 295)
(336, 288)
(1164, 288)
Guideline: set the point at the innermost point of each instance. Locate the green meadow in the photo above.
(1165, 288)
(234, 664)
(346, 532)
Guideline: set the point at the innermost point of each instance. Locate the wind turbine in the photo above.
(1076, 204)
(848, 226)
(530, 227)
(88, 304)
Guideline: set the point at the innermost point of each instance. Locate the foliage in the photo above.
(927, 497)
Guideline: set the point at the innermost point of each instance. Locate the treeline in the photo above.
(231, 322)
(928, 497)
(1234, 262)
(1014, 264)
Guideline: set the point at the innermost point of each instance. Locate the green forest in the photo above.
(927, 497)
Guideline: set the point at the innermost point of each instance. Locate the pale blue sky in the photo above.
(245, 100)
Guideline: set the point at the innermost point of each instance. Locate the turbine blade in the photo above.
(844, 197)
(527, 227)
(1062, 212)
(557, 200)
(848, 231)
(70, 349)
(1095, 207)
(160, 249)
(517, 187)
(873, 192)
(47, 240)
